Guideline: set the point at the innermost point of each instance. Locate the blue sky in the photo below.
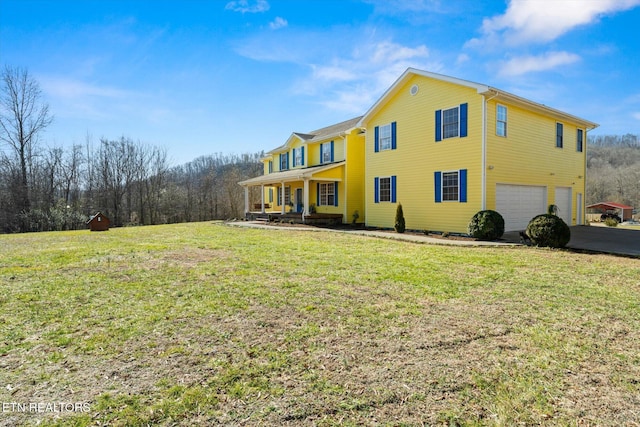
(233, 76)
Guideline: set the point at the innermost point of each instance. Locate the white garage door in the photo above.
(519, 203)
(563, 202)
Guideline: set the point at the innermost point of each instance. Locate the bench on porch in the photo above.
(258, 206)
(323, 219)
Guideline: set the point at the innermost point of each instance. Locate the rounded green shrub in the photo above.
(549, 230)
(486, 225)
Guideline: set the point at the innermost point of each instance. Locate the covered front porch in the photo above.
(298, 195)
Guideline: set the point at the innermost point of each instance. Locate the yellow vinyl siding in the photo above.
(354, 178)
(529, 156)
(418, 156)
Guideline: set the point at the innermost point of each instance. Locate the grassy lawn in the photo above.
(203, 324)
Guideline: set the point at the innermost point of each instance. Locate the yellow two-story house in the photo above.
(445, 148)
(320, 173)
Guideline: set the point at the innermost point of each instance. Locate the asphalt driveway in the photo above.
(617, 241)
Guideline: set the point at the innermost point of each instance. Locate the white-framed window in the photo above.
(501, 120)
(385, 189)
(559, 134)
(451, 122)
(326, 152)
(385, 137)
(298, 157)
(450, 186)
(284, 161)
(327, 194)
(579, 140)
(287, 195)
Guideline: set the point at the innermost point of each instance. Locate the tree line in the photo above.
(56, 188)
(613, 169)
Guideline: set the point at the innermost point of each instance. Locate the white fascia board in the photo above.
(395, 87)
(541, 108)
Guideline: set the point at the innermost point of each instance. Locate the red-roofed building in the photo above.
(625, 212)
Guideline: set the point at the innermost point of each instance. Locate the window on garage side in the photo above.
(559, 135)
(501, 120)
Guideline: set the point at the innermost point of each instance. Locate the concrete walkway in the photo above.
(407, 237)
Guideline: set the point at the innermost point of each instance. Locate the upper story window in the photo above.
(284, 161)
(298, 156)
(452, 122)
(559, 134)
(270, 166)
(579, 140)
(385, 137)
(326, 152)
(501, 120)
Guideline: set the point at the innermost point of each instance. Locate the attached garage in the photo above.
(518, 204)
(563, 202)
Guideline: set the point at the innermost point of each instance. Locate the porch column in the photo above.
(262, 198)
(282, 198)
(246, 200)
(305, 198)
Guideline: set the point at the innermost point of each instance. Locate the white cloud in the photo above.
(243, 6)
(462, 58)
(65, 88)
(352, 83)
(527, 64)
(636, 115)
(278, 23)
(527, 21)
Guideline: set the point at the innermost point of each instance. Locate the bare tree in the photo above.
(23, 116)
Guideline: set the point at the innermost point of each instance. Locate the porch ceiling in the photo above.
(277, 178)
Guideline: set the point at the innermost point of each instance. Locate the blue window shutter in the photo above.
(318, 194)
(376, 140)
(332, 151)
(462, 176)
(376, 190)
(438, 125)
(294, 157)
(321, 156)
(438, 186)
(393, 189)
(393, 136)
(463, 120)
(335, 193)
(287, 159)
(302, 155)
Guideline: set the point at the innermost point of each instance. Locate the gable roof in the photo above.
(320, 134)
(611, 205)
(481, 89)
(276, 178)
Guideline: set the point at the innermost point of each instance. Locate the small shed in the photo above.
(625, 212)
(98, 222)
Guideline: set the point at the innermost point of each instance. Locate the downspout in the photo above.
(483, 184)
